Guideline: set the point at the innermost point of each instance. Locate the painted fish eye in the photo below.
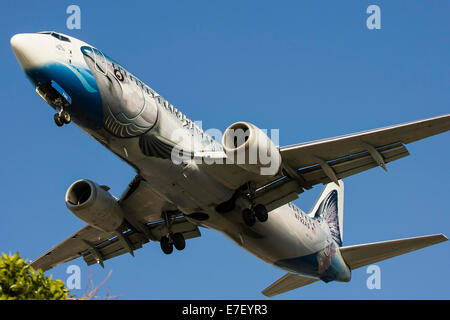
(118, 74)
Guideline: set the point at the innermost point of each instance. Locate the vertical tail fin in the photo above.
(330, 208)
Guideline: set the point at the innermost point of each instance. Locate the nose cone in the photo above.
(21, 45)
(31, 49)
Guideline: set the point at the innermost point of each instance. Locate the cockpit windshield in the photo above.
(56, 35)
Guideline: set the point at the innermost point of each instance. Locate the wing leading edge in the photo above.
(329, 160)
(306, 154)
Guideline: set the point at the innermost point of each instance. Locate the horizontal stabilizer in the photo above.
(286, 283)
(364, 254)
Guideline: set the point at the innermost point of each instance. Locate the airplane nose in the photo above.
(21, 47)
(16, 40)
(31, 49)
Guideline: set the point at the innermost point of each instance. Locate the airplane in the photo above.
(185, 179)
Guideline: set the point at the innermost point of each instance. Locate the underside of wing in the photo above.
(307, 154)
(70, 248)
(286, 283)
(364, 254)
(132, 240)
(142, 209)
(141, 202)
(96, 246)
(329, 160)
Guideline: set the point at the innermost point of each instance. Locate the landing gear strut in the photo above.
(61, 118)
(256, 211)
(249, 215)
(259, 212)
(171, 239)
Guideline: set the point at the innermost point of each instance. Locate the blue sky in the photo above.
(310, 68)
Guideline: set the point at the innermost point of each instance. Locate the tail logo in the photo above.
(328, 212)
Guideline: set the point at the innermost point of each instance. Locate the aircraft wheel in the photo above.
(65, 117)
(59, 122)
(178, 241)
(166, 245)
(249, 217)
(261, 212)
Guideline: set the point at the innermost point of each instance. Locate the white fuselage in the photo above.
(83, 72)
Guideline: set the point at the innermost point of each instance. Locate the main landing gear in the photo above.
(61, 118)
(171, 239)
(249, 215)
(258, 211)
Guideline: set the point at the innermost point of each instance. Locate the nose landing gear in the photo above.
(61, 118)
(54, 95)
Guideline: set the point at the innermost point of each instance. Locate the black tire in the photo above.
(261, 213)
(178, 241)
(65, 117)
(166, 246)
(58, 120)
(249, 217)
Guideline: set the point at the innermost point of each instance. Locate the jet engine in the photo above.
(94, 205)
(250, 148)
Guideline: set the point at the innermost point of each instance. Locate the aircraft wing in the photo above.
(307, 154)
(143, 213)
(70, 248)
(329, 160)
(96, 246)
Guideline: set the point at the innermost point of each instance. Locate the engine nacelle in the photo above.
(250, 148)
(94, 205)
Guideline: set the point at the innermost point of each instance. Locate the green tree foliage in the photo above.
(19, 281)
